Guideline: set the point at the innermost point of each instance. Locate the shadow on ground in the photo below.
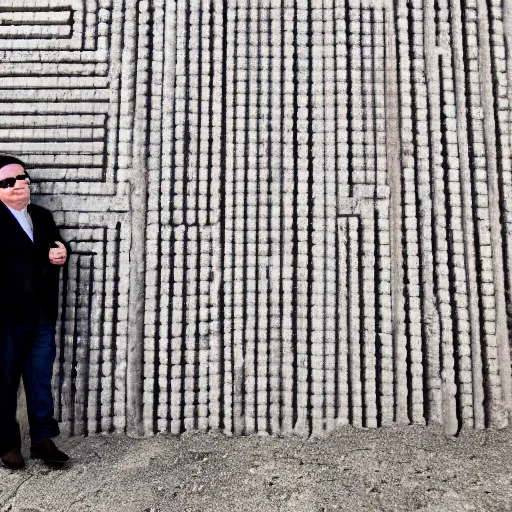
(406, 468)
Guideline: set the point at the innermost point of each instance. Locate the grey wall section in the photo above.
(286, 215)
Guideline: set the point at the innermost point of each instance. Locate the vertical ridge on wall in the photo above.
(308, 198)
(231, 329)
(496, 336)
(393, 154)
(335, 61)
(385, 214)
(238, 216)
(124, 161)
(429, 327)
(216, 217)
(275, 215)
(140, 59)
(413, 288)
(443, 356)
(177, 254)
(317, 231)
(464, 135)
(153, 365)
(250, 202)
(165, 235)
(501, 182)
(288, 210)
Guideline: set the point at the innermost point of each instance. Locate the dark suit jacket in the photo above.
(29, 283)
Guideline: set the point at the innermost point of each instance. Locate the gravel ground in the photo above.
(406, 468)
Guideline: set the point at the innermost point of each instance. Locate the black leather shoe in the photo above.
(47, 451)
(13, 459)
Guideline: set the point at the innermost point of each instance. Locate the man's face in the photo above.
(16, 197)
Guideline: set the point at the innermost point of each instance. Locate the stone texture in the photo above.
(285, 216)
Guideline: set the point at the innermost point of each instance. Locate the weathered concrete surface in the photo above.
(406, 468)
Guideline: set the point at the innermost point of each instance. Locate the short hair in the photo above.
(8, 160)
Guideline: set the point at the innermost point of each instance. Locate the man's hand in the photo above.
(58, 254)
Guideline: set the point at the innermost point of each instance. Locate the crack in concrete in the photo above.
(8, 503)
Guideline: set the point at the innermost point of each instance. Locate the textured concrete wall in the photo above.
(285, 215)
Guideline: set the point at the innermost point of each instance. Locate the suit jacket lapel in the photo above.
(36, 226)
(12, 225)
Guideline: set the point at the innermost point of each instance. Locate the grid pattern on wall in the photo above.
(316, 195)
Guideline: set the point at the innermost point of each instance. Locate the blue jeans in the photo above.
(28, 352)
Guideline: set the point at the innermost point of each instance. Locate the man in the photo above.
(31, 254)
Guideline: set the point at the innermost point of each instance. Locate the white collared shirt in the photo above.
(24, 220)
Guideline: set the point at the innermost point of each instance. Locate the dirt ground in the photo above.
(406, 468)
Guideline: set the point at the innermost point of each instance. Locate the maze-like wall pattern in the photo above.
(286, 215)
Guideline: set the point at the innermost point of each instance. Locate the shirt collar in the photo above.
(17, 212)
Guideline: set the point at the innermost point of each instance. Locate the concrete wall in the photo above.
(285, 215)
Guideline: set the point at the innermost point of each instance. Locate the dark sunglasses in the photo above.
(9, 182)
